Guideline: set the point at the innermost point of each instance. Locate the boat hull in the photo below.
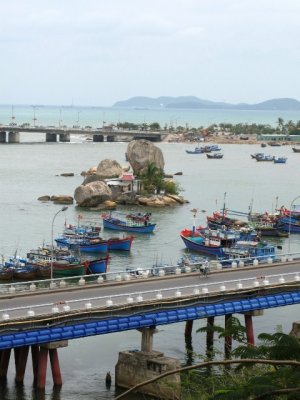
(120, 244)
(97, 266)
(201, 247)
(109, 224)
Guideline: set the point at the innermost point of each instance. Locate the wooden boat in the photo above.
(264, 158)
(263, 145)
(131, 223)
(25, 273)
(280, 160)
(115, 243)
(64, 268)
(209, 242)
(214, 156)
(197, 150)
(296, 149)
(6, 273)
(248, 250)
(83, 244)
(255, 155)
(288, 224)
(98, 266)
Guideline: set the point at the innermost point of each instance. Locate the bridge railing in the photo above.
(133, 274)
(149, 296)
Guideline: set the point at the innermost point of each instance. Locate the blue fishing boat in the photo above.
(289, 224)
(246, 250)
(197, 150)
(131, 223)
(98, 266)
(280, 160)
(83, 244)
(120, 243)
(208, 241)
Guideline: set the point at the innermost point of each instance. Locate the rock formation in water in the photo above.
(142, 152)
(92, 194)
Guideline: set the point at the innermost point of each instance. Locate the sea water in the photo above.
(28, 171)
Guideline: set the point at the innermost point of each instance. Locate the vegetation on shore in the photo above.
(282, 127)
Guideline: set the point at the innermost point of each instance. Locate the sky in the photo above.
(97, 52)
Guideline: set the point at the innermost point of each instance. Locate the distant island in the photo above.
(192, 102)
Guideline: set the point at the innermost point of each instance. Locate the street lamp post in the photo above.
(290, 221)
(52, 246)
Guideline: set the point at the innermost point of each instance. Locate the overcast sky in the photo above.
(96, 52)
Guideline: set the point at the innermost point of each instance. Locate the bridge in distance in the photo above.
(11, 134)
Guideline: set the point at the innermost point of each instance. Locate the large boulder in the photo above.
(92, 194)
(142, 152)
(109, 169)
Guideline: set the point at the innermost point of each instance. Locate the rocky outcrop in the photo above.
(109, 169)
(106, 205)
(62, 199)
(92, 194)
(142, 152)
(44, 198)
(160, 200)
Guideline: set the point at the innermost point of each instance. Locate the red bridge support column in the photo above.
(4, 362)
(56, 375)
(21, 361)
(35, 351)
(249, 329)
(42, 368)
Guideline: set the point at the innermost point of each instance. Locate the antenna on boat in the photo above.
(194, 212)
(224, 206)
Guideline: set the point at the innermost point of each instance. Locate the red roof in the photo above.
(127, 176)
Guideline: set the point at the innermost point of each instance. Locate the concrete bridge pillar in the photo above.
(64, 137)
(2, 137)
(147, 339)
(13, 137)
(110, 138)
(188, 328)
(98, 138)
(50, 137)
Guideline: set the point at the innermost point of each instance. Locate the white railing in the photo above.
(144, 297)
(132, 274)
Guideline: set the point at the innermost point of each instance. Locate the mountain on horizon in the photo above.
(193, 102)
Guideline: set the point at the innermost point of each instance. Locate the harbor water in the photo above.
(29, 170)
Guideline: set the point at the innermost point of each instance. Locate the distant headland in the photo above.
(192, 102)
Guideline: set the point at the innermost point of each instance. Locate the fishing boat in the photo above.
(248, 250)
(63, 268)
(115, 243)
(265, 157)
(98, 266)
(26, 272)
(197, 150)
(289, 224)
(83, 244)
(208, 241)
(280, 160)
(137, 223)
(296, 149)
(215, 156)
(255, 155)
(6, 273)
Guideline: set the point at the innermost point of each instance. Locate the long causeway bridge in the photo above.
(44, 315)
(11, 134)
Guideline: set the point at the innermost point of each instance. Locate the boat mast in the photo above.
(223, 212)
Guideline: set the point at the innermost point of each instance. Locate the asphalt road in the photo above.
(97, 295)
